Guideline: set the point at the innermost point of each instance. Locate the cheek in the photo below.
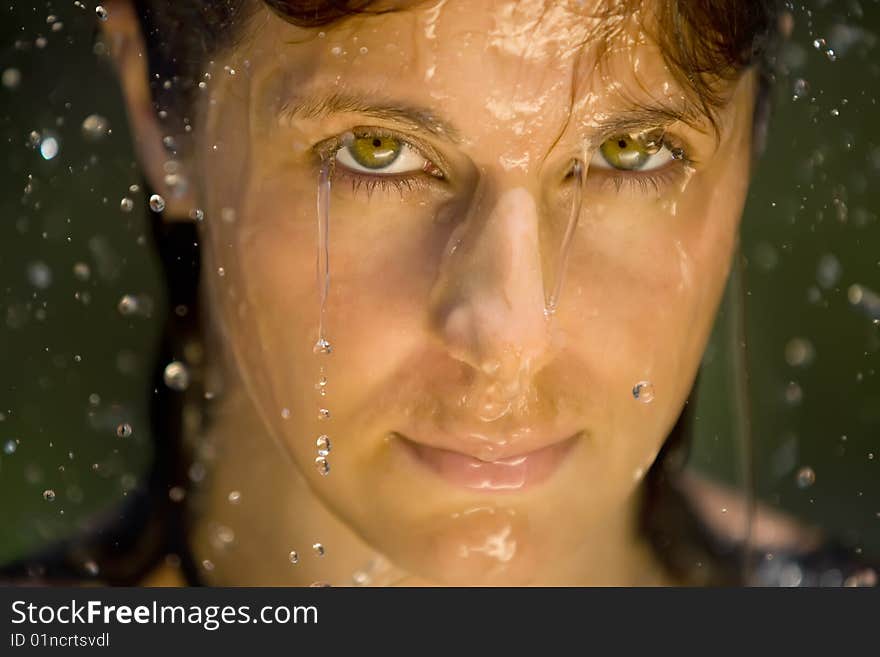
(383, 259)
(644, 281)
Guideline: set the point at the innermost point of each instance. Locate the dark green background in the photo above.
(810, 232)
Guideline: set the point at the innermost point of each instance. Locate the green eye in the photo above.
(626, 153)
(375, 152)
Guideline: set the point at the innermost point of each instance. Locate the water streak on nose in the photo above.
(492, 308)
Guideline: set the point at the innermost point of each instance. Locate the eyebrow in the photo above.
(323, 105)
(640, 116)
(637, 116)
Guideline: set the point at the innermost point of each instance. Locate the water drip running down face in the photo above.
(323, 346)
(579, 173)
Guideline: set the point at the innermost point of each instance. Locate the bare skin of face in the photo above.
(477, 435)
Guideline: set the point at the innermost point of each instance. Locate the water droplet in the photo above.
(799, 352)
(101, 13)
(82, 271)
(324, 414)
(177, 494)
(793, 393)
(791, 575)
(322, 465)
(319, 549)
(361, 578)
(49, 495)
(124, 430)
(835, 112)
(11, 78)
(806, 477)
(319, 585)
(221, 272)
(39, 275)
(91, 567)
(196, 214)
(363, 50)
(643, 391)
(322, 346)
(157, 203)
(293, 557)
(49, 147)
(831, 55)
(285, 413)
(818, 43)
(128, 305)
(224, 536)
(126, 204)
(828, 271)
(95, 127)
(855, 294)
(9, 447)
(176, 376)
(865, 577)
(336, 50)
(323, 445)
(801, 89)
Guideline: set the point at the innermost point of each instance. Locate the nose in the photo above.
(488, 302)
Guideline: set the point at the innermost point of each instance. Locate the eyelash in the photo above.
(641, 182)
(402, 183)
(655, 180)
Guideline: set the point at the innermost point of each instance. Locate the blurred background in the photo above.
(82, 303)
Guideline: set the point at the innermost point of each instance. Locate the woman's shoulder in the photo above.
(783, 550)
(165, 575)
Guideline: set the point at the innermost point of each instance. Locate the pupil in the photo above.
(377, 142)
(622, 143)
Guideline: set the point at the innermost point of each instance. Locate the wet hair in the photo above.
(703, 42)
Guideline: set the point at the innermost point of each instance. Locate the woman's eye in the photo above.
(380, 155)
(630, 153)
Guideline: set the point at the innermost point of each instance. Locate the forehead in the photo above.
(510, 57)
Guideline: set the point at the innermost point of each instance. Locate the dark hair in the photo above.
(703, 42)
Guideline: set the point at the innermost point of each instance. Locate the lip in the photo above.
(511, 473)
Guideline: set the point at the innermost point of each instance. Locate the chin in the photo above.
(482, 546)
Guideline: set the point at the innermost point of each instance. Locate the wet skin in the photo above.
(475, 438)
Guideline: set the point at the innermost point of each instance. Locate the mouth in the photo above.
(511, 473)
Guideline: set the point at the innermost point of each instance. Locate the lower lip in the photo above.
(510, 474)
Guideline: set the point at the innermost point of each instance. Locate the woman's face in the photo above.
(474, 436)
